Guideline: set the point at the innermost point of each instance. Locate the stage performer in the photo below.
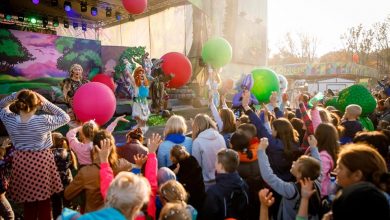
(141, 110)
(126, 83)
(246, 84)
(212, 83)
(157, 87)
(147, 64)
(69, 87)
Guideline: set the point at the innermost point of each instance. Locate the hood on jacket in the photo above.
(209, 134)
(229, 181)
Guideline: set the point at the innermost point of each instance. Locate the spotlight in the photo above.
(35, 2)
(67, 5)
(33, 20)
(108, 12)
(45, 21)
(55, 22)
(118, 16)
(66, 24)
(21, 17)
(75, 25)
(54, 2)
(83, 6)
(8, 17)
(94, 11)
(84, 26)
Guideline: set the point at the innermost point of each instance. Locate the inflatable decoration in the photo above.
(359, 95)
(265, 81)
(179, 66)
(106, 80)
(135, 6)
(217, 52)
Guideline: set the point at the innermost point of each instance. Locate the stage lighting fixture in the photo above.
(33, 20)
(67, 5)
(108, 12)
(35, 2)
(45, 21)
(75, 25)
(84, 26)
(54, 2)
(83, 6)
(66, 24)
(118, 16)
(55, 22)
(21, 17)
(8, 17)
(94, 11)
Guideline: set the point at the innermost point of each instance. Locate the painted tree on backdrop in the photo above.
(131, 53)
(11, 51)
(84, 52)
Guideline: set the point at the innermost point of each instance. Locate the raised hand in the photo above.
(154, 142)
(176, 170)
(306, 187)
(122, 118)
(140, 159)
(266, 197)
(312, 141)
(6, 143)
(104, 150)
(245, 98)
(263, 143)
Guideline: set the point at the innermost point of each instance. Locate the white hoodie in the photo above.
(205, 148)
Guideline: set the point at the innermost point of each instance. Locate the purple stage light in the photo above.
(35, 2)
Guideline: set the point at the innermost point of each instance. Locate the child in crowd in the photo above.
(175, 211)
(189, 173)
(304, 167)
(228, 198)
(174, 132)
(86, 133)
(64, 159)
(350, 123)
(134, 146)
(206, 143)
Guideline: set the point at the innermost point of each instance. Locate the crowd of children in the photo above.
(275, 163)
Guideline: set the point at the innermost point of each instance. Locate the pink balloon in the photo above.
(178, 65)
(106, 80)
(94, 101)
(135, 6)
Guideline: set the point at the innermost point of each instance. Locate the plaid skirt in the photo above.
(34, 176)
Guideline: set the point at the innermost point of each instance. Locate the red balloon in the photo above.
(106, 80)
(355, 58)
(178, 65)
(94, 101)
(135, 6)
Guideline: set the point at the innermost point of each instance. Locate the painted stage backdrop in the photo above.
(41, 61)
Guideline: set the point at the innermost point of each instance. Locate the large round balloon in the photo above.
(94, 101)
(283, 84)
(178, 65)
(217, 52)
(106, 80)
(265, 82)
(135, 6)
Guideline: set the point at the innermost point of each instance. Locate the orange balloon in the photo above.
(355, 58)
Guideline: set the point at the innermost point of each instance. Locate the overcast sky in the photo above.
(326, 19)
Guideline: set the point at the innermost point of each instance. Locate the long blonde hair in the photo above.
(201, 123)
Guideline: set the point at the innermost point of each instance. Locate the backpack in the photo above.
(315, 202)
(236, 203)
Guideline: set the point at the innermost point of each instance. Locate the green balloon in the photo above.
(367, 123)
(332, 102)
(217, 52)
(265, 81)
(359, 95)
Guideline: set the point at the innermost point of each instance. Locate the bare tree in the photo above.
(308, 45)
(359, 40)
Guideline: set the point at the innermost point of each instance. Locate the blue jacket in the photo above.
(280, 163)
(103, 214)
(164, 151)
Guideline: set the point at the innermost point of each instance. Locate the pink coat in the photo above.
(327, 166)
(106, 177)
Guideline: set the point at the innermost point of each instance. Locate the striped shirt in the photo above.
(35, 134)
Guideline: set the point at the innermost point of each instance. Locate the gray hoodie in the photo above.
(205, 148)
(288, 206)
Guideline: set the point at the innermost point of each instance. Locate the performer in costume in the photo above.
(246, 84)
(141, 110)
(157, 87)
(126, 83)
(212, 83)
(147, 65)
(69, 87)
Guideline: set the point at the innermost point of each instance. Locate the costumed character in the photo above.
(147, 64)
(69, 87)
(283, 84)
(125, 82)
(212, 83)
(246, 84)
(157, 87)
(141, 110)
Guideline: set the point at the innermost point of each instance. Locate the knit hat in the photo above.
(361, 201)
(164, 174)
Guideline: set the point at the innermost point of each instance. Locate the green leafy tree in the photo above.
(131, 53)
(12, 51)
(84, 52)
